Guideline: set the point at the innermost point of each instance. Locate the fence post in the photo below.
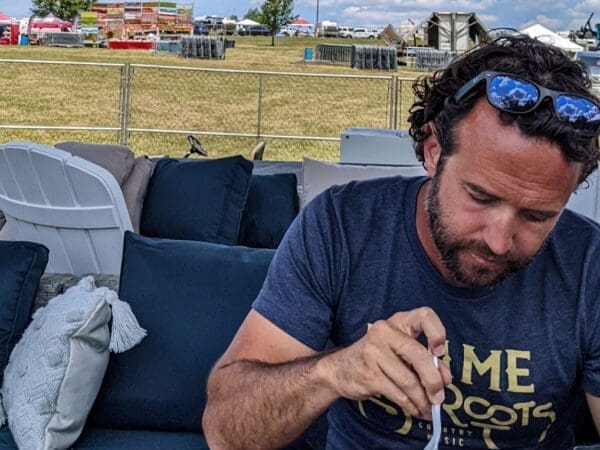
(259, 109)
(125, 103)
(398, 102)
(392, 103)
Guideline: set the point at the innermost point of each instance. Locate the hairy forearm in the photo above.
(252, 404)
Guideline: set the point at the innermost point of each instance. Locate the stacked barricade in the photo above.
(169, 46)
(63, 39)
(429, 60)
(334, 53)
(205, 47)
(374, 57)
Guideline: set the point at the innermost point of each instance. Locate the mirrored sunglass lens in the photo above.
(512, 94)
(579, 112)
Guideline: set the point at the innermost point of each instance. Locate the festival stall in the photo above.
(9, 30)
(130, 19)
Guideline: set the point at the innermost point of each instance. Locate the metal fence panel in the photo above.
(322, 106)
(152, 108)
(404, 99)
(65, 96)
(173, 99)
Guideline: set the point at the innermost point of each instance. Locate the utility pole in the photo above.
(317, 19)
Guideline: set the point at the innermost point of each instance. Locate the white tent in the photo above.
(545, 35)
(247, 22)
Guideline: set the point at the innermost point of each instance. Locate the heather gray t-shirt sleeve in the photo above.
(301, 290)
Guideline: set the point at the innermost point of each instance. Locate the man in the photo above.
(478, 264)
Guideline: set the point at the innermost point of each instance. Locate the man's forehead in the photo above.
(501, 159)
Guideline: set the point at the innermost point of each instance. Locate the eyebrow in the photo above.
(543, 213)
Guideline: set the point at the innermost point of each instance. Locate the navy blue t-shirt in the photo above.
(520, 352)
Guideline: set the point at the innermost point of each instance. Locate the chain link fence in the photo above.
(152, 108)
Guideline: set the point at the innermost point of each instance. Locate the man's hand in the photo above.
(389, 361)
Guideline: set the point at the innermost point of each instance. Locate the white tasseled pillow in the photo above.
(56, 369)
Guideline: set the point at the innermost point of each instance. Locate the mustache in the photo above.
(483, 251)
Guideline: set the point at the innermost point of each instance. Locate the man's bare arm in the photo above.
(269, 387)
(257, 366)
(285, 398)
(594, 404)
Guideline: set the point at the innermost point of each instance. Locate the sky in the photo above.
(557, 15)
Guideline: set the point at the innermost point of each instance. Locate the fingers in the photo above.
(390, 361)
(406, 382)
(410, 366)
(423, 320)
(407, 326)
(390, 391)
(446, 374)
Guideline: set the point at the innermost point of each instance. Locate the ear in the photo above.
(432, 150)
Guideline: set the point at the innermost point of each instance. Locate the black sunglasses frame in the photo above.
(544, 93)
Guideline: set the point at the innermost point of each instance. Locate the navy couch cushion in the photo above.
(103, 438)
(21, 267)
(6, 440)
(201, 199)
(271, 207)
(114, 439)
(191, 297)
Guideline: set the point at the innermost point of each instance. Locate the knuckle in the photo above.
(426, 312)
(433, 383)
(409, 383)
(416, 349)
(377, 327)
(379, 330)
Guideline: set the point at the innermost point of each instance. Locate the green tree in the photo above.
(253, 14)
(64, 9)
(276, 14)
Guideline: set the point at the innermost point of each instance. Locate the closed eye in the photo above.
(532, 216)
(482, 200)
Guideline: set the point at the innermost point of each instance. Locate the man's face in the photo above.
(492, 203)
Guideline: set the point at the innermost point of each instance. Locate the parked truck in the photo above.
(364, 33)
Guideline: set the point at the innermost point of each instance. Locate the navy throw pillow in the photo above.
(191, 297)
(271, 207)
(200, 199)
(21, 267)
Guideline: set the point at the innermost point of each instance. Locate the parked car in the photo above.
(200, 29)
(345, 32)
(288, 31)
(255, 30)
(363, 33)
(592, 62)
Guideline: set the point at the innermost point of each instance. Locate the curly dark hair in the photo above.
(519, 55)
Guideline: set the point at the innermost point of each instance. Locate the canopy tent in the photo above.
(300, 21)
(247, 22)
(543, 34)
(5, 20)
(50, 22)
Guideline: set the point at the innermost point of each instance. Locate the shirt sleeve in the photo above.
(591, 367)
(301, 291)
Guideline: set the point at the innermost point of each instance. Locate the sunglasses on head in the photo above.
(516, 95)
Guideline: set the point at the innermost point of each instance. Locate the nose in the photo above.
(500, 232)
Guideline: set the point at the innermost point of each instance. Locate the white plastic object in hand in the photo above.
(437, 422)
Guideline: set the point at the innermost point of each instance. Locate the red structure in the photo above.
(129, 44)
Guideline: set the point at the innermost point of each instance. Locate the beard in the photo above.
(451, 248)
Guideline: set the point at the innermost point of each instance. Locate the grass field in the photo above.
(58, 95)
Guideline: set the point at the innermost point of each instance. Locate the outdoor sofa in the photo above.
(189, 294)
